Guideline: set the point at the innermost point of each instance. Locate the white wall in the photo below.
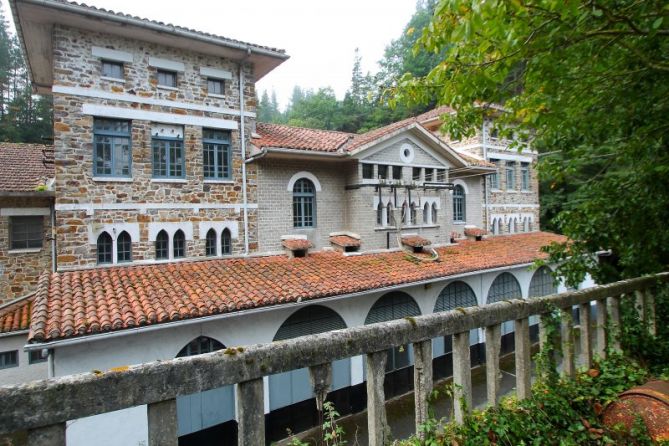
(25, 371)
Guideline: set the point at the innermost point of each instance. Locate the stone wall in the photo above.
(20, 269)
(85, 203)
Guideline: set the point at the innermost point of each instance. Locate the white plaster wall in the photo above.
(25, 371)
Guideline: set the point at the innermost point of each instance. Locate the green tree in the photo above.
(318, 110)
(589, 81)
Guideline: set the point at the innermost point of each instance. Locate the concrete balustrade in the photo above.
(43, 407)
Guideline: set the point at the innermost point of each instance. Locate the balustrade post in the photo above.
(377, 423)
(614, 325)
(544, 321)
(600, 329)
(523, 359)
(422, 381)
(641, 305)
(251, 413)
(321, 381)
(650, 311)
(586, 343)
(162, 420)
(493, 340)
(567, 335)
(462, 376)
(53, 435)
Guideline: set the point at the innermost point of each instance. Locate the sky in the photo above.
(319, 36)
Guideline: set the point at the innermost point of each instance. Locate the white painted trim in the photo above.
(24, 251)
(383, 144)
(143, 207)
(24, 212)
(113, 79)
(171, 228)
(167, 118)
(510, 157)
(513, 206)
(112, 55)
(219, 96)
(169, 180)
(215, 73)
(166, 87)
(113, 179)
(219, 226)
(390, 163)
(125, 97)
(494, 147)
(219, 181)
(459, 182)
(412, 153)
(113, 229)
(303, 174)
(166, 64)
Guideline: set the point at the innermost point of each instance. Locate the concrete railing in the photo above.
(43, 407)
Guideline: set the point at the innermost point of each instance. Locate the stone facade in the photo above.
(86, 204)
(20, 268)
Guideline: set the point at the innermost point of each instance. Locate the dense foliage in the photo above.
(365, 106)
(589, 81)
(24, 117)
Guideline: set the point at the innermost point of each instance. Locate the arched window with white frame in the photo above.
(379, 215)
(426, 214)
(459, 211)
(105, 248)
(210, 243)
(162, 245)
(435, 213)
(226, 242)
(304, 204)
(179, 244)
(123, 247)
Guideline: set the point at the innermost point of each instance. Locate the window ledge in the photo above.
(24, 251)
(113, 179)
(216, 95)
(526, 191)
(459, 222)
(165, 87)
(392, 228)
(112, 79)
(169, 180)
(512, 191)
(496, 190)
(219, 181)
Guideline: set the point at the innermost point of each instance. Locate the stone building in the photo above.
(166, 222)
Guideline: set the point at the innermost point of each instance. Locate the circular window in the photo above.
(406, 153)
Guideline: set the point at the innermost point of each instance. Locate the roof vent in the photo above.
(345, 241)
(415, 242)
(474, 233)
(296, 245)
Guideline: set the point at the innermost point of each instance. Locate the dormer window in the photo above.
(112, 69)
(215, 86)
(167, 78)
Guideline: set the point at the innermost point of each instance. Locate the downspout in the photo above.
(485, 179)
(51, 372)
(243, 144)
(54, 267)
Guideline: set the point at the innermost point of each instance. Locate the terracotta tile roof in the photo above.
(434, 113)
(415, 241)
(99, 300)
(299, 138)
(16, 316)
(475, 232)
(345, 241)
(475, 161)
(296, 244)
(23, 167)
(223, 40)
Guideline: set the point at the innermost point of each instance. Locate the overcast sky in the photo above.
(320, 36)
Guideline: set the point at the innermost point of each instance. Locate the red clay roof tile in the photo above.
(296, 244)
(106, 299)
(415, 241)
(345, 241)
(299, 138)
(16, 316)
(23, 167)
(475, 232)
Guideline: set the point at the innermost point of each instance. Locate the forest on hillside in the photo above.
(24, 116)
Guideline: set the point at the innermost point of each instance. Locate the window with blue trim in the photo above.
(112, 154)
(459, 204)
(217, 154)
(168, 156)
(304, 204)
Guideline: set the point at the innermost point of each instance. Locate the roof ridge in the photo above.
(306, 128)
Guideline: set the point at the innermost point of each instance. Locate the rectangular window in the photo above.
(383, 172)
(510, 175)
(215, 86)
(415, 173)
(9, 359)
(429, 175)
(494, 178)
(167, 78)
(525, 176)
(397, 172)
(112, 69)
(168, 157)
(441, 175)
(112, 154)
(26, 232)
(368, 171)
(35, 357)
(217, 154)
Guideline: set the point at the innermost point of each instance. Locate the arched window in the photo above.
(200, 345)
(304, 204)
(379, 215)
(105, 249)
(179, 244)
(504, 287)
(542, 283)
(210, 247)
(456, 295)
(434, 213)
(389, 307)
(493, 226)
(292, 387)
(459, 204)
(526, 224)
(389, 215)
(414, 214)
(406, 218)
(124, 247)
(426, 214)
(226, 242)
(162, 245)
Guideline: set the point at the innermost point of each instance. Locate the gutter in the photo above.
(297, 152)
(35, 194)
(218, 317)
(14, 333)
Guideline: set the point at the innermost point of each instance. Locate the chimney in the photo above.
(345, 241)
(474, 233)
(296, 245)
(415, 242)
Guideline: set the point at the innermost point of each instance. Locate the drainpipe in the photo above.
(53, 238)
(51, 369)
(243, 141)
(485, 178)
